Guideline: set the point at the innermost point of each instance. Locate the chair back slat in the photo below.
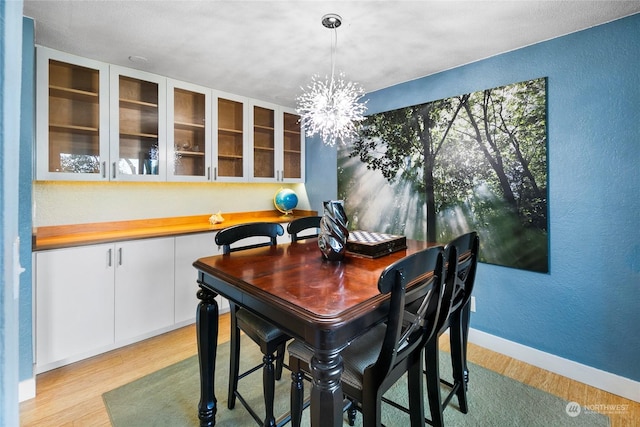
(467, 247)
(448, 292)
(301, 224)
(230, 235)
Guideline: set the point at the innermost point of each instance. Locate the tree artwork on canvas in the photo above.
(433, 171)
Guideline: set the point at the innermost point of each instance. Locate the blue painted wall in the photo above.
(27, 120)
(10, 76)
(322, 182)
(587, 309)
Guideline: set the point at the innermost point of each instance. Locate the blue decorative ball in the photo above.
(285, 200)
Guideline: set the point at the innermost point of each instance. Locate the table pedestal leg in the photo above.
(326, 394)
(207, 331)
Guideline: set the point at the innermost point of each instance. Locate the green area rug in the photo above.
(169, 397)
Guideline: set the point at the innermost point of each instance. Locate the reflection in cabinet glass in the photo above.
(263, 142)
(138, 147)
(292, 150)
(230, 138)
(189, 111)
(74, 122)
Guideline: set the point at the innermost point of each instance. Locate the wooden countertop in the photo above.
(64, 236)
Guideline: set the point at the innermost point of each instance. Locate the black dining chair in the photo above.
(301, 224)
(270, 339)
(467, 247)
(420, 298)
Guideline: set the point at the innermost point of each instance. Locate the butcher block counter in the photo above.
(64, 236)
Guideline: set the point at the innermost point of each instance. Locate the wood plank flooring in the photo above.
(72, 395)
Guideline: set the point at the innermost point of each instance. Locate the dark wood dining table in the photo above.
(323, 303)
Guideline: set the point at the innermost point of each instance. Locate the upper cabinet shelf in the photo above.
(101, 122)
(125, 134)
(182, 125)
(55, 127)
(134, 103)
(73, 94)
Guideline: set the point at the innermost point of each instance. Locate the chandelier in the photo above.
(330, 107)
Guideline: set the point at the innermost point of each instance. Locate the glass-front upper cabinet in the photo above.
(138, 114)
(188, 132)
(277, 144)
(231, 157)
(292, 152)
(72, 117)
(263, 142)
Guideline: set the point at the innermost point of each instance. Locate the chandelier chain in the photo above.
(334, 52)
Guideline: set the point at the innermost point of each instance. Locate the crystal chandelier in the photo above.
(330, 107)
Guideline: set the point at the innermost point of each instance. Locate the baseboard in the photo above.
(27, 389)
(603, 380)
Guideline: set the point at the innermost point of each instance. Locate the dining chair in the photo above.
(420, 299)
(305, 223)
(270, 339)
(466, 246)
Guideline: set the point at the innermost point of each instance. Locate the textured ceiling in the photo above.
(270, 49)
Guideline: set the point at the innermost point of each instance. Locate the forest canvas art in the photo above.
(433, 171)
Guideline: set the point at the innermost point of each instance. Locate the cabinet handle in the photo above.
(114, 170)
(104, 169)
(215, 173)
(109, 258)
(209, 173)
(119, 256)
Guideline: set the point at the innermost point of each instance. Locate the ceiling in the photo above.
(269, 50)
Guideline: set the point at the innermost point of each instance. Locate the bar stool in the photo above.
(270, 339)
(467, 247)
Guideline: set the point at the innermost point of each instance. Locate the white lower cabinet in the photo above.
(188, 249)
(143, 287)
(74, 303)
(91, 299)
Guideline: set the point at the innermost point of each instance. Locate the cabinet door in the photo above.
(188, 132)
(231, 156)
(265, 130)
(143, 287)
(188, 249)
(292, 161)
(72, 117)
(138, 114)
(74, 303)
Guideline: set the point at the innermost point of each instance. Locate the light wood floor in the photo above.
(72, 395)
